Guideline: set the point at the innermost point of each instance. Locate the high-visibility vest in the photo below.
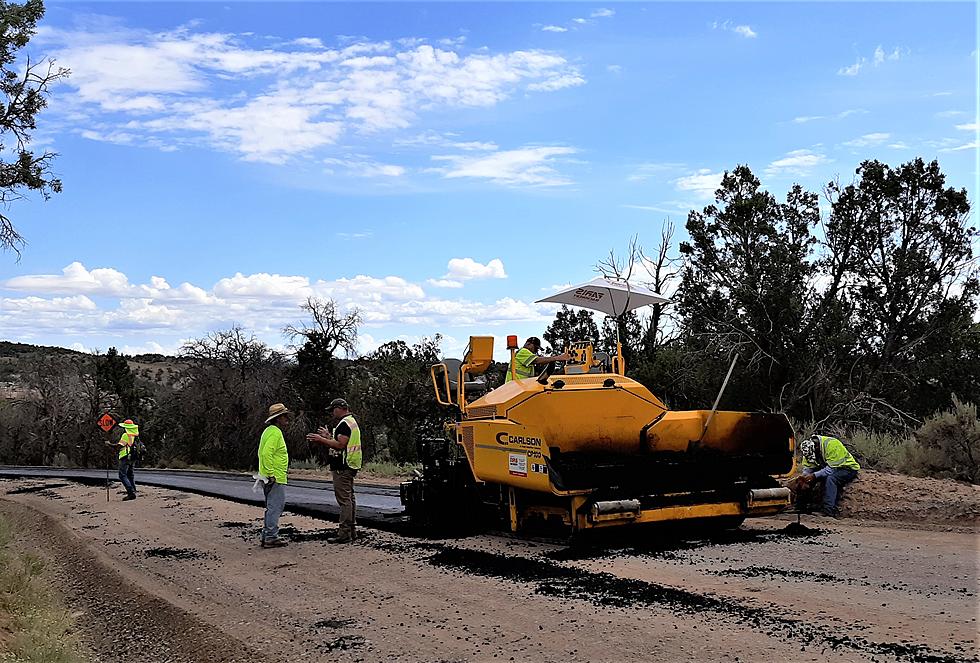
(522, 365)
(834, 454)
(352, 454)
(126, 442)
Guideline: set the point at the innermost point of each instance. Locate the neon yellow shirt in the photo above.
(273, 456)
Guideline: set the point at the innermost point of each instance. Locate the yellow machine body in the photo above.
(596, 449)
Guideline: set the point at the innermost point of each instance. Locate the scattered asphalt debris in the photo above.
(799, 529)
(794, 574)
(551, 579)
(667, 547)
(333, 623)
(344, 642)
(43, 489)
(234, 524)
(761, 571)
(174, 553)
(290, 533)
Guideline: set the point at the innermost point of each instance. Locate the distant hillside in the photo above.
(15, 359)
(10, 349)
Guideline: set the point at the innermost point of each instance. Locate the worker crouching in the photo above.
(345, 445)
(827, 458)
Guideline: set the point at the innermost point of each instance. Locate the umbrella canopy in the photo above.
(610, 297)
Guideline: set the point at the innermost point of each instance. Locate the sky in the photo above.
(438, 166)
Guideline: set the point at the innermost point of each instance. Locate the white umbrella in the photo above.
(610, 297)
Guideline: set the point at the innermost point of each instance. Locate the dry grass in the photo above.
(35, 627)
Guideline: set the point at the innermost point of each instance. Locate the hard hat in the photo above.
(338, 402)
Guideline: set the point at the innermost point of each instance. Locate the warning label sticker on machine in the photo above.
(540, 468)
(517, 464)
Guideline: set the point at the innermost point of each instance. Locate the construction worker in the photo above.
(273, 465)
(525, 359)
(827, 458)
(345, 440)
(126, 459)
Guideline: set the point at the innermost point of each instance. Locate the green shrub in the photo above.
(879, 451)
(948, 444)
(389, 470)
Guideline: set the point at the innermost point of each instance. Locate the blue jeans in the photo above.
(836, 480)
(275, 502)
(126, 475)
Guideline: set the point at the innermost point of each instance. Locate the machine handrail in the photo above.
(435, 383)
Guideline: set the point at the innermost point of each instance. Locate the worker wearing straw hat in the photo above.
(126, 460)
(273, 465)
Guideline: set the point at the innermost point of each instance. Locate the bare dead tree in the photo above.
(328, 327)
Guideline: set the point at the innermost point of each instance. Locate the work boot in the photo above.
(274, 543)
(129, 497)
(342, 538)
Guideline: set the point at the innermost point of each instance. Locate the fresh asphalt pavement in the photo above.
(378, 505)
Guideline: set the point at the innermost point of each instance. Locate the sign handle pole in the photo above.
(107, 476)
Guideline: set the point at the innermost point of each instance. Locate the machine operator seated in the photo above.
(579, 358)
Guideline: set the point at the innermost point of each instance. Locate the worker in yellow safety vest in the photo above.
(345, 444)
(126, 457)
(525, 359)
(827, 458)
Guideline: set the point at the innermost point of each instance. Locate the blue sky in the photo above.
(439, 166)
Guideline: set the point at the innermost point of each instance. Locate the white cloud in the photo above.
(531, 166)
(729, 26)
(614, 68)
(950, 113)
(558, 82)
(899, 145)
(602, 13)
(802, 119)
(868, 140)
(58, 304)
(580, 21)
(554, 28)
(797, 162)
(972, 145)
(466, 269)
(164, 89)
(972, 126)
(361, 167)
(74, 278)
(878, 57)
(703, 183)
(141, 315)
(364, 234)
(445, 283)
(308, 42)
(668, 207)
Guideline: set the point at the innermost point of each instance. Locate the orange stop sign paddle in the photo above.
(106, 422)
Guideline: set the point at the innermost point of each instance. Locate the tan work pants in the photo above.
(343, 490)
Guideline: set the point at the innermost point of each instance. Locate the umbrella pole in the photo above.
(620, 368)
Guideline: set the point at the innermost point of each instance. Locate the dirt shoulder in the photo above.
(118, 620)
(900, 498)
